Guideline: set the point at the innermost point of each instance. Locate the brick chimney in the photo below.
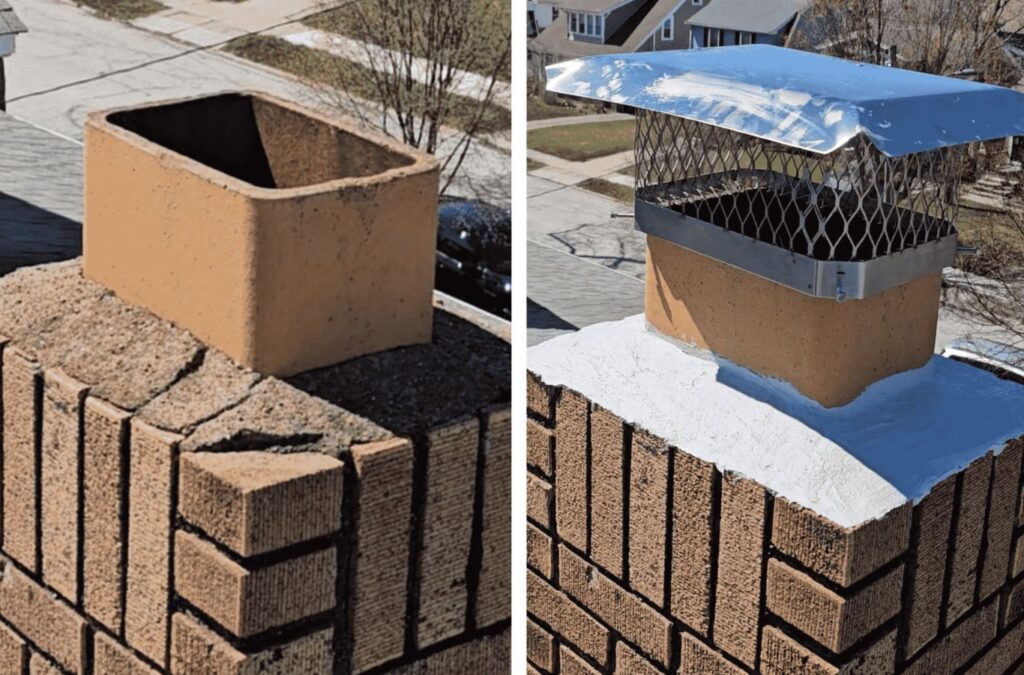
(288, 239)
(692, 513)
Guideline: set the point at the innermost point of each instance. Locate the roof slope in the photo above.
(753, 16)
(804, 100)
(554, 39)
(10, 24)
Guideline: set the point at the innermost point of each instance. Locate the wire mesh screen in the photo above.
(851, 205)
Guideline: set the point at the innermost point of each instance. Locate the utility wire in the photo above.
(178, 55)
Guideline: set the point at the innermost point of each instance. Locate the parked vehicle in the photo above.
(1002, 360)
(474, 253)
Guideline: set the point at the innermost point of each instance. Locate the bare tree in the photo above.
(944, 37)
(989, 290)
(434, 66)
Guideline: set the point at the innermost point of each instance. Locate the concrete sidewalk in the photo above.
(569, 120)
(206, 22)
(464, 83)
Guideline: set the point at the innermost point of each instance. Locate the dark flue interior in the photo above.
(846, 234)
(258, 141)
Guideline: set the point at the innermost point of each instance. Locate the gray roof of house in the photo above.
(753, 16)
(10, 24)
(554, 40)
(589, 5)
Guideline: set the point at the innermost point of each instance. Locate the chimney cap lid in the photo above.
(799, 99)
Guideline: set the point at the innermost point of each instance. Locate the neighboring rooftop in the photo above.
(850, 464)
(10, 24)
(627, 38)
(40, 195)
(753, 16)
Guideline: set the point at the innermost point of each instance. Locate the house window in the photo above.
(668, 29)
(590, 25)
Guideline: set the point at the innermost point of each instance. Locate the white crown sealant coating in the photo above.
(851, 464)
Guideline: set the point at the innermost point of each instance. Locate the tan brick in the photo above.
(648, 509)
(566, 619)
(927, 562)
(781, 655)
(150, 528)
(835, 622)
(255, 502)
(697, 658)
(105, 446)
(539, 500)
(48, 622)
(447, 530)
(629, 662)
(540, 647)
(13, 651)
(1014, 605)
(488, 654)
(967, 540)
(740, 555)
(111, 658)
(540, 398)
(384, 505)
(540, 443)
(1003, 654)
(539, 551)
(571, 515)
(197, 650)
(606, 494)
(572, 664)
(1001, 518)
(844, 555)
(494, 589)
(692, 527)
(40, 665)
(63, 398)
(247, 602)
(624, 611)
(21, 388)
(1018, 557)
(958, 645)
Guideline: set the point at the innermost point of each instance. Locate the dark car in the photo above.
(474, 253)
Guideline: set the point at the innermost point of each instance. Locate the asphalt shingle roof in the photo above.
(753, 16)
(10, 24)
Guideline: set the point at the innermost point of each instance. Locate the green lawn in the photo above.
(343, 74)
(533, 165)
(607, 188)
(492, 42)
(124, 10)
(580, 142)
(537, 109)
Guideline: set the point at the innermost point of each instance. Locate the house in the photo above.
(539, 15)
(743, 22)
(588, 27)
(10, 27)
